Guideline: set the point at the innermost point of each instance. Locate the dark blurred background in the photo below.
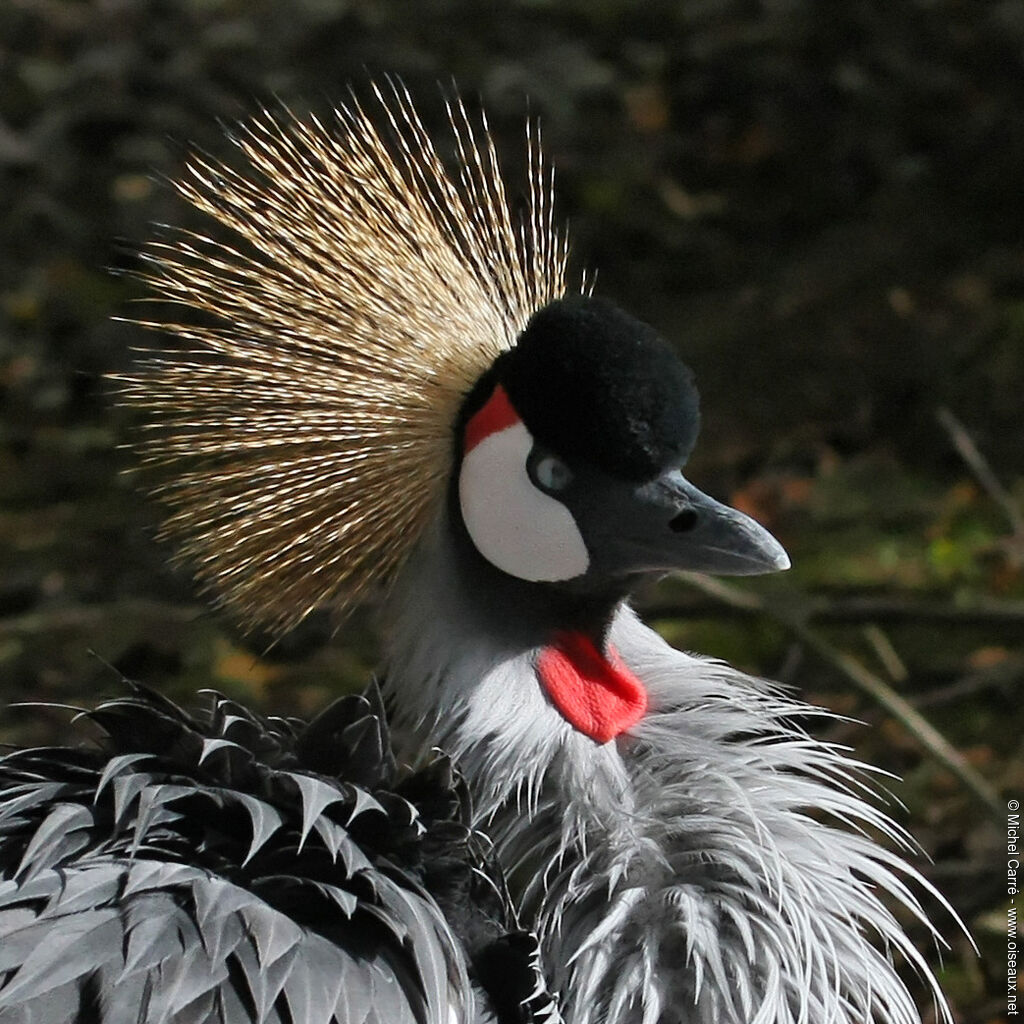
(821, 204)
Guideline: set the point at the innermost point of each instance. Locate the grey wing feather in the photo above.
(233, 868)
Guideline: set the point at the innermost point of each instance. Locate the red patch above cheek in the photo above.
(600, 696)
(496, 414)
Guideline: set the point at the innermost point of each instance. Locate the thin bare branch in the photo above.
(862, 610)
(91, 617)
(979, 466)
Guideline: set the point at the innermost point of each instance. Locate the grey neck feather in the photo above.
(674, 874)
(462, 667)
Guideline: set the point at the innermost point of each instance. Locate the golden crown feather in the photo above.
(306, 428)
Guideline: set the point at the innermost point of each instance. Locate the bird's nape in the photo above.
(391, 389)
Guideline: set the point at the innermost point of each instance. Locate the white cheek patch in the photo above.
(516, 527)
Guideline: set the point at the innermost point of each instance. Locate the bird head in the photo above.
(569, 461)
(391, 343)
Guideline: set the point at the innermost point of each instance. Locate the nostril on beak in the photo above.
(684, 521)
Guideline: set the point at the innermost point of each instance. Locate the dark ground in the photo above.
(821, 203)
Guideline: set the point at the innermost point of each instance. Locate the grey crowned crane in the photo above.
(389, 388)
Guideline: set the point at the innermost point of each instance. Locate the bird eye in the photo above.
(548, 472)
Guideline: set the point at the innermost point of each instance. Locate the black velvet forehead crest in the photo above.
(592, 382)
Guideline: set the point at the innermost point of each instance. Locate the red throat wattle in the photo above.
(595, 693)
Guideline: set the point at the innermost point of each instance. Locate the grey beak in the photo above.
(715, 538)
(667, 524)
